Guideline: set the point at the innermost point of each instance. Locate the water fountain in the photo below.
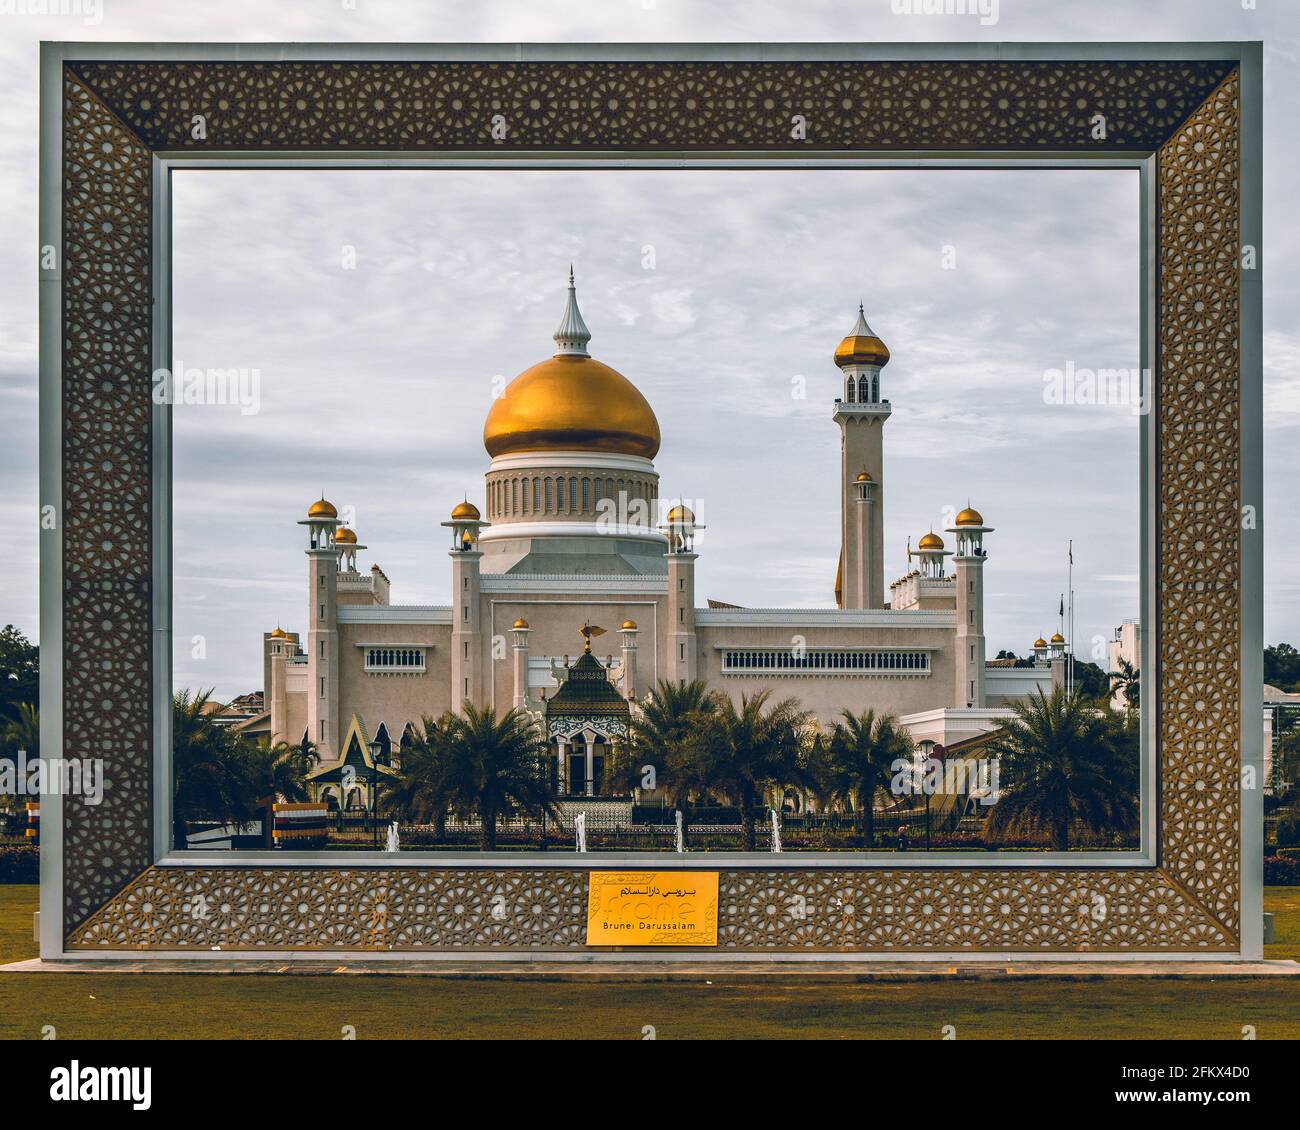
(580, 830)
(776, 829)
(680, 835)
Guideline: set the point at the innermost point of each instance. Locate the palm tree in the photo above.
(863, 750)
(488, 766)
(221, 775)
(23, 731)
(212, 775)
(819, 772)
(416, 791)
(1065, 763)
(661, 726)
(1128, 682)
(743, 752)
(282, 768)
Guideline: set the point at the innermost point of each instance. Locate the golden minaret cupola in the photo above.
(572, 443)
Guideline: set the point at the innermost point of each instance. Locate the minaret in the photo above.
(629, 632)
(466, 607)
(861, 415)
(322, 628)
(680, 529)
(519, 646)
(279, 643)
(969, 646)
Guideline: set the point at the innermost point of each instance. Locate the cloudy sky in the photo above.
(375, 379)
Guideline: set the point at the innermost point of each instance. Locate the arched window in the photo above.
(852, 391)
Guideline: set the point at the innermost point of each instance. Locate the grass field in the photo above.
(126, 1006)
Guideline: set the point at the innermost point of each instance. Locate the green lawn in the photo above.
(123, 1006)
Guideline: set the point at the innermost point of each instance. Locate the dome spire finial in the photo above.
(572, 336)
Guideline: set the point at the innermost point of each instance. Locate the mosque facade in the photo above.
(572, 592)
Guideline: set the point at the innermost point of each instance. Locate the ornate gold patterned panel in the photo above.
(740, 105)
(1199, 571)
(105, 512)
(444, 909)
(116, 113)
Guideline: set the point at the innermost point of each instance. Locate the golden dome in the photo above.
(520, 623)
(629, 626)
(680, 513)
(279, 633)
(970, 517)
(1040, 642)
(571, 402)
(930, 541)
(344, 536)
(861, 346)
(1057, 637)
(863, 477)
(322, 509)
(465, 511)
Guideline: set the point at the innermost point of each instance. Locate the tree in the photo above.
(661, 729)
(1065, 764)
(21, 733)
(743, 752)
(23, 730)
(1128, 682)
(19, 672)
(1090, 681)
(489, 766)
(416, 792)
(1282, 667)
(1286, 762)
(863, 750)
(220, 775)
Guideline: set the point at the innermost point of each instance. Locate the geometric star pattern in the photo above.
(117, 113)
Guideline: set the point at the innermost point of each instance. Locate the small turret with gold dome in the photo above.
(861, 355)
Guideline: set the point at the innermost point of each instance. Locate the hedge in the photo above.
(20, 864)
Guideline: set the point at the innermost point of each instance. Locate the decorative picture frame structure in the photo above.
(112, 113)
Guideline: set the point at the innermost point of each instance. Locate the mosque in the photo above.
(572, 544)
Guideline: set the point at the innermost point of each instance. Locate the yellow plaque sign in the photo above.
(652, 908)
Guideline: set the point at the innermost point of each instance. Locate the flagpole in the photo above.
(1069, 662)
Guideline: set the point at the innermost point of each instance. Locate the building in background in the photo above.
(1125, 647)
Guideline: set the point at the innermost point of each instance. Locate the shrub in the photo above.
(1281, 871)
(1288, 831)
(20, 864)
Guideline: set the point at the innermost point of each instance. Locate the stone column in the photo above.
(590, 740)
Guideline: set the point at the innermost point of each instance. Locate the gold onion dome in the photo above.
(970, 517)
(344, 536)
(1040, 642)
(322, 509)
(930, 541)
(571, 402)
(465, 511)
(629, 626)
(1057, 637)
(861, 346)
(279, 633)
(681, 513)
(863, 477)
(520, 623)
